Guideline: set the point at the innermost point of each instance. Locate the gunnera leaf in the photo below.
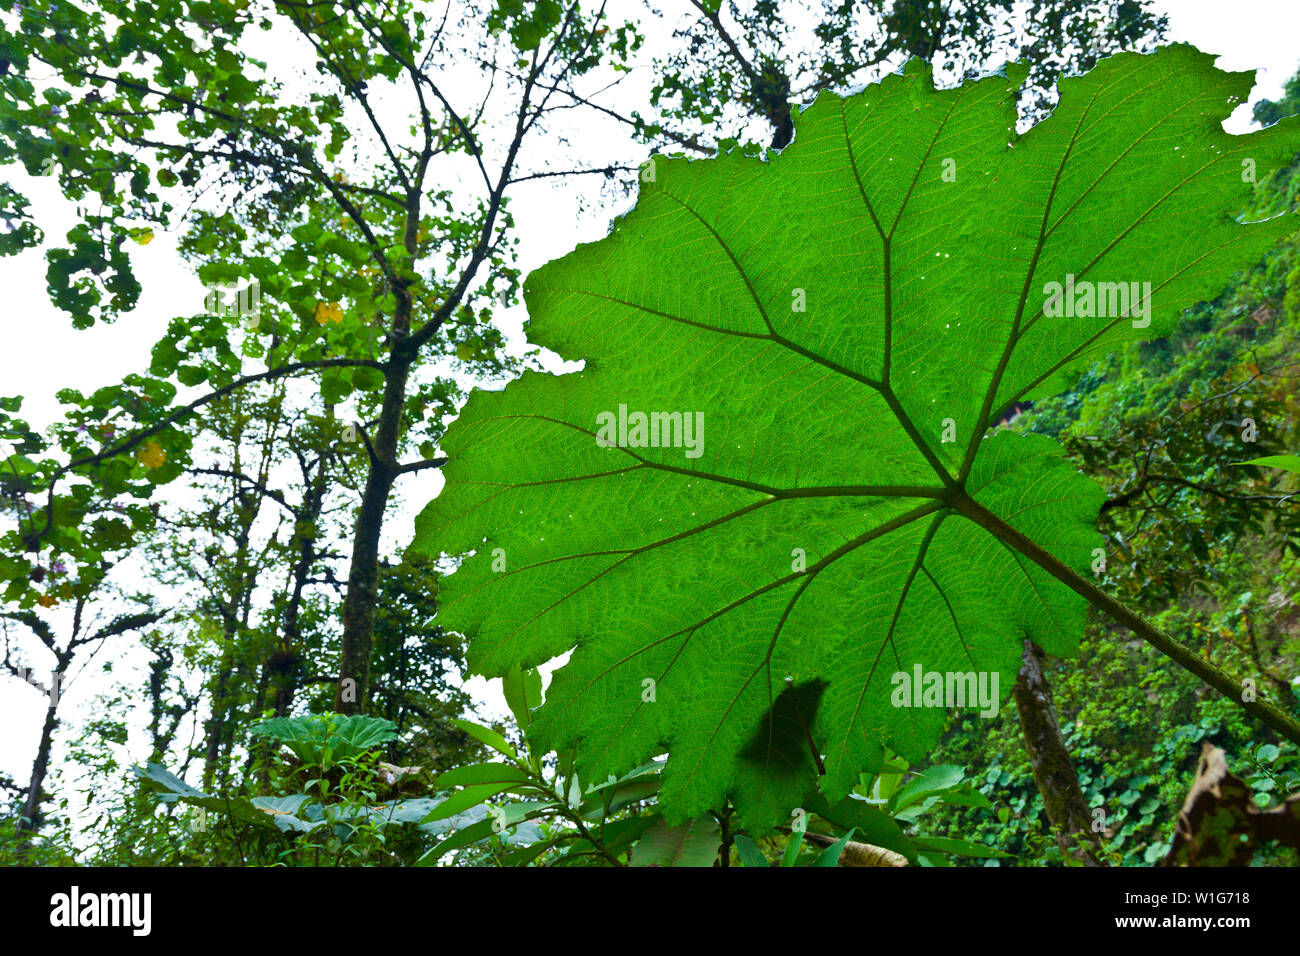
(791, 367)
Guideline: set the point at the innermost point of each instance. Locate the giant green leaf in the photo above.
(845, 318)
(692, 844)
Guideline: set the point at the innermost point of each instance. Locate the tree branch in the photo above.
(241, 477)
(415, 466)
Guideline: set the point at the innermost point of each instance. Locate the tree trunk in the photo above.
(1067, 811)
(285, 664)
(216, 724)
(159, 668)
(234, 626)
(31, 822)
(363, 577)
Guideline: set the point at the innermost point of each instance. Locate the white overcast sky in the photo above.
(43, 353)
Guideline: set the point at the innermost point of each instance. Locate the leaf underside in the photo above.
(847, 316)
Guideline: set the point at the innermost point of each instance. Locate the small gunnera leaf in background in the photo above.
(791, 366)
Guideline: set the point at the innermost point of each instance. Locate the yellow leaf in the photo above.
(329, 312)
(142, 236)
(46, 600)
(151, 455)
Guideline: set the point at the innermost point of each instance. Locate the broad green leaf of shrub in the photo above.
(1289, 463)
(839, 323)
(172, 789)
